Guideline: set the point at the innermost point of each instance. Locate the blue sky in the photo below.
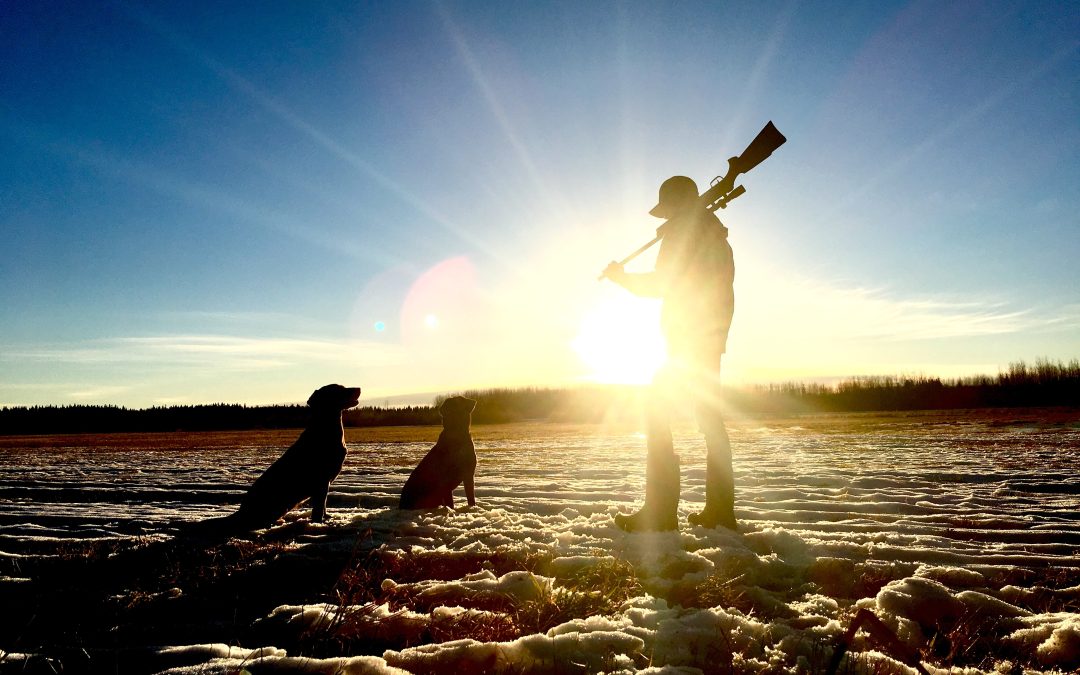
(243, 201)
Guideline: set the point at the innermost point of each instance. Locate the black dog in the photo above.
(304, 472)
(450, 463)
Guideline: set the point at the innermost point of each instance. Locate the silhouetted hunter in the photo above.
(694, 276)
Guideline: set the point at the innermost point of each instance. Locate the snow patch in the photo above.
(519, 586)
(573, 652)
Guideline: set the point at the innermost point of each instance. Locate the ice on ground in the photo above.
(593, 652)
(220, 651)
(929, 521)
(646, 632)
(1055, 637)
(926, 602)
(565, 567)
(372, 619)
(229, 661)
(919, 606)
(518, 586)
(956, 577)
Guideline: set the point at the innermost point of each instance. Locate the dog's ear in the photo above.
(457, 404)
(323, 394)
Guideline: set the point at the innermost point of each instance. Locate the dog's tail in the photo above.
(215, 530)
(211, 530)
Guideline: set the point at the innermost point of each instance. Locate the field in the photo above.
(960, 531)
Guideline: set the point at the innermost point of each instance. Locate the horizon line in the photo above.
(429, 397)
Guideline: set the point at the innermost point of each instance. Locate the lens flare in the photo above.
(441, 305)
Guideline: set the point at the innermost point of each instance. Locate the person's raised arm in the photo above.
(643, 284)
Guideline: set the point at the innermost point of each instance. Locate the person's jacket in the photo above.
(696, 273)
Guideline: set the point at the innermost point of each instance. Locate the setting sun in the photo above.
(619, 341)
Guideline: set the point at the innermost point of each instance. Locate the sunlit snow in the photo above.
(953, 515)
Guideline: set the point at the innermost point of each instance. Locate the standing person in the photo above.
(694, 276)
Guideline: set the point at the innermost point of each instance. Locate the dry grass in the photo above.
(100, 594)
(96, 595)
(596, 590)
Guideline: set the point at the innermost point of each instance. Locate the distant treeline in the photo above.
(1046, 383)
(77, 419)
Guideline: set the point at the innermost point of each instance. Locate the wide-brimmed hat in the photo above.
(674, 193)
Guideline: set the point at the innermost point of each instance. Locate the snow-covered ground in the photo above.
(934, 522)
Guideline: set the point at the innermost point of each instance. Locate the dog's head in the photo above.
(455, 411)
(334, 397)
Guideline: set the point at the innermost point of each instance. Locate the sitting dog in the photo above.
(450, 463)
(306, 469)
(304, 472)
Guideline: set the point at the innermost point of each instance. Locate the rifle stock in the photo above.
(763, 145)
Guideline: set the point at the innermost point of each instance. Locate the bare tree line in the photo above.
(1044, 383)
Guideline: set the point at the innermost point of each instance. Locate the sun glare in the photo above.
(619, 341)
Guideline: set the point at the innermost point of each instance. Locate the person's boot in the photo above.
(719, 499)
(660, 512)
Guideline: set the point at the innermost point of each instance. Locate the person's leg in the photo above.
(661, 509)
(719, 476)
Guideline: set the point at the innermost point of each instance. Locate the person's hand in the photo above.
(614, 271)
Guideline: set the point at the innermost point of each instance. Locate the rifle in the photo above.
(722, 189)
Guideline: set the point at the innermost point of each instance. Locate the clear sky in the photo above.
(242, 201)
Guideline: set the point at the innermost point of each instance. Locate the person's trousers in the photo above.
(696, 382)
